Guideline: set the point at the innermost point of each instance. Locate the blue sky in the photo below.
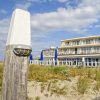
(52, 20)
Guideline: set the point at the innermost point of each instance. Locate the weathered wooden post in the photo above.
(18, 49)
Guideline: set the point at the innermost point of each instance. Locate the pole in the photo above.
(18, 49)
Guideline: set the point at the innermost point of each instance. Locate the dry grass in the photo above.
(97, 78)
(37, 98)
(91, 73)
(46, 73)
(55, 89)
(82, 84)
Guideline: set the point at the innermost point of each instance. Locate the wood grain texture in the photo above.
(15, 76)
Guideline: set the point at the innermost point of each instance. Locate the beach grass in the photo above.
(45, 73)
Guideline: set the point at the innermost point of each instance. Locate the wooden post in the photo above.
(18, 49)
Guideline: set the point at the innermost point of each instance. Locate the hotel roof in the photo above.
(82, 38)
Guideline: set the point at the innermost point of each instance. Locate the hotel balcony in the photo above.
(77, 42)
(49, 53)
(78, 51)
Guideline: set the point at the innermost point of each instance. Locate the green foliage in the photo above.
(29, 98)
(44, 73)
(97, 74)
(91, 72)
(97, 78)
(59, 69)
(82, 84)
(37, 98)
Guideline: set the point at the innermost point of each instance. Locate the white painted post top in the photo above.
(19, 31)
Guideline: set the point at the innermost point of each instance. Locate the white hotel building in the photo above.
(83, 51)
(48, 56)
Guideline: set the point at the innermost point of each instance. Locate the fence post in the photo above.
(18, 49)
(83, 61)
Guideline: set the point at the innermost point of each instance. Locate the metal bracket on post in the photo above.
(22, 51)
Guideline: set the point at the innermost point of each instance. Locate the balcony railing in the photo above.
(79, 52)
(85, 42)
(67, 63)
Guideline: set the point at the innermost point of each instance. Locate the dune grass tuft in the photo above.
(82, 84)
(44, 73)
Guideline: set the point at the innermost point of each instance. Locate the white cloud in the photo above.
(33, 0)
(63, 1)
(97, 26)
(90, 2)
(39, 1)
(76, 20)
(4, 23)
(3, 11)
(25, 5)
(66, 19)
(44, 1)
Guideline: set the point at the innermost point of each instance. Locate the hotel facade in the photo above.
(83, 51)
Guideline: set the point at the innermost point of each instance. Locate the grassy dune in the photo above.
(86, 76)
(45, 73)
